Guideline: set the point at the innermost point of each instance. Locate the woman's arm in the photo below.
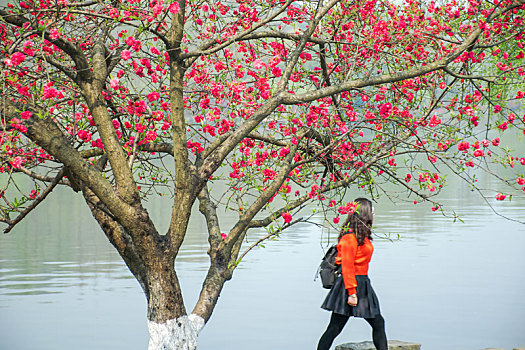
(348, 248)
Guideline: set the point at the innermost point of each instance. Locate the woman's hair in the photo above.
(360, 222)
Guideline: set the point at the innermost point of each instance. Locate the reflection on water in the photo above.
(61, 274)
(454, 286)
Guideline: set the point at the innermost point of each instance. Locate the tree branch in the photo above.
(36, 202)
(118, 237)
(312, 26)
(217, 156)
(256, 206)
(468, 77)
(47, 135)
(206, 49)
(289, 99)
(92, 91)
(68, 47)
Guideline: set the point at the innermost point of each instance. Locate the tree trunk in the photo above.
(169, 326)
(175, 334)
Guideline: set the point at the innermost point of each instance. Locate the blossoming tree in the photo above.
(282, 102)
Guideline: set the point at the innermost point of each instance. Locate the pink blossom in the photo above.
(479, 153)
(16, 162)
(23, 90)
(520, 181)
(305, 56)
(269, 174)
(26, 115)
(15, 123)
(151, 135)
(174, 7)
(153, 96)
(211, 130)
(18, 58)
(265, 94)
(287, 217)
(219, 66)
(53, 34)
(496, 141)
(295, 77)
(166, 125)
(500, 197)
(97, 143)
(114, 83)
(385, 108)
(13, 61)
(84, 135)
(336, 220)
(276, 71)
(349, 208)
(284, 151)
(157, 9)
(258, 64)
(223, 235)
(50, 92)
(125, 54)
(28, 48)
(463, 146)
(140, 127)
(522, 161)
(497, 108)
(114, 13)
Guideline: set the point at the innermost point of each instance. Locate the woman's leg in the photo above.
(337, 322)
(378, 332)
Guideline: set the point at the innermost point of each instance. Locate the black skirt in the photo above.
(367, 302)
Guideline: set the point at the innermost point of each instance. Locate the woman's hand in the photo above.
(352, 300)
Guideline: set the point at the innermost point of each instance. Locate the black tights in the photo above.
(337, 322)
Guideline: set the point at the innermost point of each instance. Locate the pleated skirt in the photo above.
(367, 301)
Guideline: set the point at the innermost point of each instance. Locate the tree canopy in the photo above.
(261, 106)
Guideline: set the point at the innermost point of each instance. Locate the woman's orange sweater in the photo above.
(354, 259)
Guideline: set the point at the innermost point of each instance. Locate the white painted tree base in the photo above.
(176, 334)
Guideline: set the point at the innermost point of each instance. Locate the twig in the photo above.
(37, 201)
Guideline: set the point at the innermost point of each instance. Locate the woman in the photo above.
(352, 293)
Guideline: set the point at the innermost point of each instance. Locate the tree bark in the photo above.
(169, 326)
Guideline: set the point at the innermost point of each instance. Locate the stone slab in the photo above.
(368, 345)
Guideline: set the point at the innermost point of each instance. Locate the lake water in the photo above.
(455, 286)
